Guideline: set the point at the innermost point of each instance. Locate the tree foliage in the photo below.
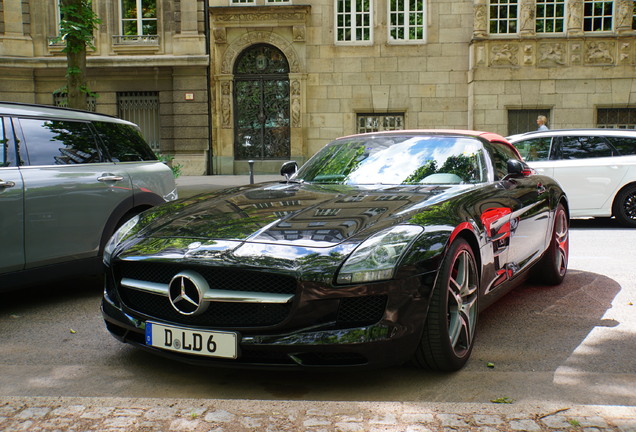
(76, 30)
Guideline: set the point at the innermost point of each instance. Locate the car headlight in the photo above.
(121, 234)
(376, 257)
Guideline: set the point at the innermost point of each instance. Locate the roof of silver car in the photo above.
(583, 131)
(35, 110)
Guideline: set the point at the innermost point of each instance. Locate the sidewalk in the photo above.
(214, 415)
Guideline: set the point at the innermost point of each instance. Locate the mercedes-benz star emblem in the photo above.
(186, 291)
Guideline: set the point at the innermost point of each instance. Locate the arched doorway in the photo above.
(261, 104)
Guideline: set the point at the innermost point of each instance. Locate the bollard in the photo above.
(251, 162)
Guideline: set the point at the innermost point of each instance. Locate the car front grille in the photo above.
(218, 314)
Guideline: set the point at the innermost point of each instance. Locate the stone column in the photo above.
(624, 13)
(189, 17)
(574, 17)
(480, 21)
(527, 17)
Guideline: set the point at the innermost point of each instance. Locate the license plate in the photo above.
(188, 341)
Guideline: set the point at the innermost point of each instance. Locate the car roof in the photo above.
(567, 132)
(36, 110)
(488, 136)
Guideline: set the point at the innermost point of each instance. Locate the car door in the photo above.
(588, 171)
(11, 203)
(527, 199)
(70, 190)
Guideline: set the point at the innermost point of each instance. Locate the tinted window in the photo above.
(4, 147)
(123, 142)
(55, 142)
(537, 149)
(501, 155)
(584, 147)
(625, 145)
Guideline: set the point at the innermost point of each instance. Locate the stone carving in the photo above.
(298, 32)
(528, 54)
(252, 38)
(295, 104)
(480, 23)
(527, 18)
(220, 36)
(575, 13)
(504, 55)
(624, 15)
(552, 54)
(599, 53)
(626, 49)
(226, 103)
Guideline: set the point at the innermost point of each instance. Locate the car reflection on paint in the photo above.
(381, 249)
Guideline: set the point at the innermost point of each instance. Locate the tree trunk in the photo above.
(76, 79)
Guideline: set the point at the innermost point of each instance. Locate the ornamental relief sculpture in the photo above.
(599, 53)
(252, 38)
(504, 55)
(552, 54)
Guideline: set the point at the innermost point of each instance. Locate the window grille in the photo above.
(407, 20)
(353, 21)
(597, 15)
(142, 108)
(61, 100)
(380, 122)
(550, 16)
(525, 120)
(619, 118)
(503, 16)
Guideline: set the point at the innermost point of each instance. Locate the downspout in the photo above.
(210, 170)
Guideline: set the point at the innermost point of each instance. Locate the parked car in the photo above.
(596, 168)
(381, 249)
(68, 179)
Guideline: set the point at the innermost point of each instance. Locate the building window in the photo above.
(597, 15)
(242, 2)
(142, 108)
(407, 20)
(380, 122)
(353, 21)
(525, 120)
(503, 16)
(139, 17)
(550, 15)
(60, 99)
(618, 118)
(634, 17)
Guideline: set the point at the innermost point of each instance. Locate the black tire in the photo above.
(451, 322)
(554, 263)
(624, 207)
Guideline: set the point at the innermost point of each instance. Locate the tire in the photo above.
(624, 207)
(451, 322)
(554, 263)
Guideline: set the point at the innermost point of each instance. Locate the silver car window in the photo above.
(57, 142)
(582, 147)
(625, 145)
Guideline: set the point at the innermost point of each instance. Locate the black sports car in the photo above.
(381, 249)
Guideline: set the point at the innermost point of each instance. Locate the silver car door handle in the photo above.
(6, 184)
(110, 178)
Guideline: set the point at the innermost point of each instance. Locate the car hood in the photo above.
(292, 214)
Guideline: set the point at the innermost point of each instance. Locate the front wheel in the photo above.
(449, 333)
(624, 208)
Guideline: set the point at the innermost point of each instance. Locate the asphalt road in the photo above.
(571, 344)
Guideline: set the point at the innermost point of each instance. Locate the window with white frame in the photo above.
(139, 17)
(407, 20)
(259, 2)
(550, 16)
(353, 21)
(597, 15)
(375, 122)
(503, 16)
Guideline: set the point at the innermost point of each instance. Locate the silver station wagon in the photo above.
(68, 180)
(595, 167)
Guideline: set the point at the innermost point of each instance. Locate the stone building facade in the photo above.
(150, 66)
(272, 80)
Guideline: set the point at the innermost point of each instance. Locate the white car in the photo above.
(595, 167)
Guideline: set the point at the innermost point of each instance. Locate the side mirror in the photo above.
(517, 168)
(288, 169)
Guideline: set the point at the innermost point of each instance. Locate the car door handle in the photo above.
(541, 189)
(109, 178)
(6, 184)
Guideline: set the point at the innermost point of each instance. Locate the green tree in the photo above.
(76, 30)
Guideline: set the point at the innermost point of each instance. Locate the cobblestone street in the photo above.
(209, 415)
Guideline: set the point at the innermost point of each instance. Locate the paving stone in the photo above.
(524, 425)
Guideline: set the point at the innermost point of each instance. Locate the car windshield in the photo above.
(397, 160)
